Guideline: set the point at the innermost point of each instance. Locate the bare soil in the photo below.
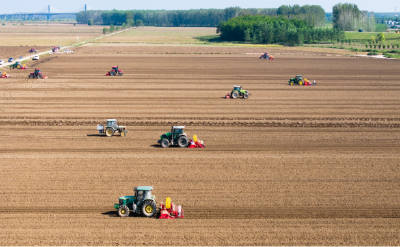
(142, 48)
(291, 165)
(16, 51)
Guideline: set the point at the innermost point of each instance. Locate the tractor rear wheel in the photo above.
(246, 95)
(123, 211)
(300, 83)
(234, 95)
(149, 209)
(109, 132)
(18, 66)
(164, 143)
(183, 142)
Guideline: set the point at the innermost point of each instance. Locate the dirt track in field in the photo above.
(289, 166)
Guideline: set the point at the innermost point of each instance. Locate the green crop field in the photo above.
(365, 36)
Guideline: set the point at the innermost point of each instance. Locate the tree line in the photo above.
(314, 15)
(349, 17)
(259, 29)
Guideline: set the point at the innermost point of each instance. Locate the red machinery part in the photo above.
(171, 213)
(197, 144)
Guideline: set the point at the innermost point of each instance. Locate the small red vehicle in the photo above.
(115, 71)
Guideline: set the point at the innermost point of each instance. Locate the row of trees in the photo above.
(266, 29)
(314, 15)
(382, 45)
(348, 17)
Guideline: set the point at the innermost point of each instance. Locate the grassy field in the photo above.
(364, 37)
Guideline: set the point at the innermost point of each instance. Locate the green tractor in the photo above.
(175, 137)
(297, 80)
(18, 65)
(239, 92)
(143, 202)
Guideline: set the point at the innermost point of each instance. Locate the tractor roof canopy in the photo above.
(178, 127)
(144, 188)
(111, 120)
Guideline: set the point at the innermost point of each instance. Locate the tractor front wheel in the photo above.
(120, 73)
(123, 211)
(109, 132)
(112, 73)
(246, 95)
(123, 134)
(18, 66)
(149, 209)
(183, 142)
(291, 83)
(40, 76)
(31, 76)
(234, 95)
(164, 143)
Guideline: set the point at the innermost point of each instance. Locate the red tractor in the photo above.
(33, 50)
(56, 48)
(267, 56)
(115, 71)
(37, 75)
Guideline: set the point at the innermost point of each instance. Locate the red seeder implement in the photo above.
(4, 75)
(170, 210)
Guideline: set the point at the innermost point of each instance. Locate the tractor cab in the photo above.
(177, 131)
(112, 123)
(299, 78)
(143, 193)
(237, 88)
(115, 68)
(37, 71)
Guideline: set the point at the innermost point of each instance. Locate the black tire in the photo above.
(234, 95)
(120, 73)
(40, 76)
(149, 209)
(183, 142)
(164, 143)
(123, 211)
(246, 95)
(109, 132)
(112, 73)
(31, 76)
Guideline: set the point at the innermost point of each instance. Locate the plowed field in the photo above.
(291, 165)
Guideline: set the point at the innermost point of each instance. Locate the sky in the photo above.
(76, 5)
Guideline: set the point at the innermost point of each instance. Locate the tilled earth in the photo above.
(292, 165)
